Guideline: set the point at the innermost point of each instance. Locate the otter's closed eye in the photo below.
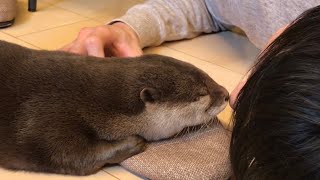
(203, 92)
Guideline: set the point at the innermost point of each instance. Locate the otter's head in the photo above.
(176, 95)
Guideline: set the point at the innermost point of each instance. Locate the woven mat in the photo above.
(199, 155)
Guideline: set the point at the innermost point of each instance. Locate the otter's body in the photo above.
(68, 114)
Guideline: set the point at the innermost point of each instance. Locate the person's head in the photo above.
(276, 131)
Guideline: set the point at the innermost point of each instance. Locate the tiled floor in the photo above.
(224, 56)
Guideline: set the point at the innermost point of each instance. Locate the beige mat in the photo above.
(199, 155)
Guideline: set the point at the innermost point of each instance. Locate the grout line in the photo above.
(53, 28)
(204, 60)
(91, 18)
(30, 43)
(50, 5)
(110, 174)
(16, 37)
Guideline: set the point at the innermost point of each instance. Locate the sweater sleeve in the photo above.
(156, 21)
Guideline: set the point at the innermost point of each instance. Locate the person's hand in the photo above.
(117, 40)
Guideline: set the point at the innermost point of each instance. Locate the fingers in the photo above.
(75, 48)
(94, 47)
(129, 51)
(111, 40)
(87, 42)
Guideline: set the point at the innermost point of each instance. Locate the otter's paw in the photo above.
(135, 144)
(128, 147)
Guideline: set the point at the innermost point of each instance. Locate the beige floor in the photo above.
(226, 57)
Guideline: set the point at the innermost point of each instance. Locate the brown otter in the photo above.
(69, 114)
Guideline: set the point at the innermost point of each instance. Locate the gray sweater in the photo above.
(156, 21)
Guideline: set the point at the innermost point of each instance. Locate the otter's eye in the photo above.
(203, 92)
(196, 98)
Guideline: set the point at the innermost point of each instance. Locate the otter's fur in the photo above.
(70, 114)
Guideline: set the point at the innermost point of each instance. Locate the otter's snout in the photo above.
(218, 100)
(220, 95)
(224, 94)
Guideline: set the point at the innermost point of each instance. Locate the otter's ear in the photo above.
(149, 95)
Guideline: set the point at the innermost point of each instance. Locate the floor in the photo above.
(226, 56)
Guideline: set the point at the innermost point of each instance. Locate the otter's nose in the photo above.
(225, 94)
(226, 98)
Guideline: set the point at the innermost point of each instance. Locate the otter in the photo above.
(69, 114)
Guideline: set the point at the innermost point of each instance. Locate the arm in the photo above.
(164, 20)
(147, 24)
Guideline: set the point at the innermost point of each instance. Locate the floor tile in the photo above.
(121, 173)
(10, 175)
(225, 117)
(47, 16)
(55, 38)
(52, 1)
(227, 49)
(11, 39)
(103, 10)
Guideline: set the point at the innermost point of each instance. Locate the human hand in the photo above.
(117, 40)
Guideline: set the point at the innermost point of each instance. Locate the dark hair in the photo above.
(276, 133)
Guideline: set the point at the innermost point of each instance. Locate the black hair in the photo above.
(276, 133)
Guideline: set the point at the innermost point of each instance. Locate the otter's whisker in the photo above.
(179, 133)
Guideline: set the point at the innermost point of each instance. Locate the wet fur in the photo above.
(69, 114)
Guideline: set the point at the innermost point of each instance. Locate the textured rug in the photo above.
(203, 154)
